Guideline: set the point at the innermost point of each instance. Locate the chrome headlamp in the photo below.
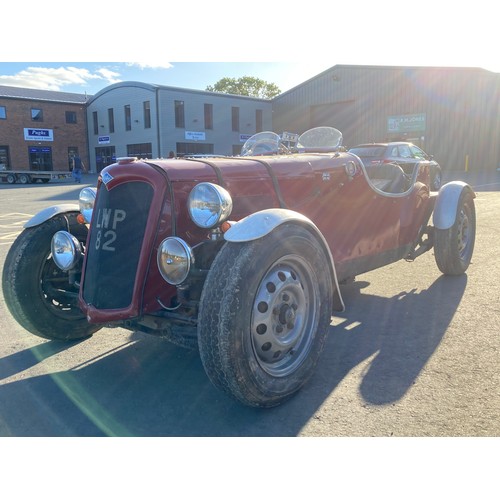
(209, 205)
(66, 250)
(174, 259)
(87, 200)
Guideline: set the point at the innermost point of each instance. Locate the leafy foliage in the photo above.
(245, 85)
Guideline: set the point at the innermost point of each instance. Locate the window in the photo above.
(209, 116)
(140, 150)
(191, 148)
(418, 153)
(96, 122)
(258, 120)
(235, 119)
(147, 114)
(70, 116)
(3, 112)
(128, 121)
(111, 120)
(36, 115)
(404, 151)
(179, 114)
(4, 158)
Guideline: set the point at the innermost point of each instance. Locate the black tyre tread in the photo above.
(220, 306)
(20, 265)
(215, 310)
(445, 247)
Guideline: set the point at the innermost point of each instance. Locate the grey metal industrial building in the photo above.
(452, 113)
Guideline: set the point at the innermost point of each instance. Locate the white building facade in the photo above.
(154, 121)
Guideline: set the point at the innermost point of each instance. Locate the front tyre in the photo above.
(264, 315)
(453, 247)
(37, 293)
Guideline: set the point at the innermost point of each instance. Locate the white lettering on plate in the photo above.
(106, 223)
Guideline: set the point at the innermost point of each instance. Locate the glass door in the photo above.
(104, 156)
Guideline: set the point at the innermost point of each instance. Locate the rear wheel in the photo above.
(453, 247)
(11, 178)
(264, 316)
(24, 179)
(38, 293)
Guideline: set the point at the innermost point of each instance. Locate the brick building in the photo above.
(41, 129)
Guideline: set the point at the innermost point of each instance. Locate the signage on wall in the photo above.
(38, 134)
(103, 139)
(245, 137)
(406, 123)
(39, 150)
(194, 136)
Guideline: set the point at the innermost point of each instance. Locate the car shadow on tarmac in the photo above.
(149, 387)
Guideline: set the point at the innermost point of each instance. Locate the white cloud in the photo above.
(56, 78)
(151, 65)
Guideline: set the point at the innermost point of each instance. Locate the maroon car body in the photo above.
(258, 310)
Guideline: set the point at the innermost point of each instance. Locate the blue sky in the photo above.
(91, 77)
(66, 46)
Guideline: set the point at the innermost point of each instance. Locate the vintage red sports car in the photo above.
(241, 257)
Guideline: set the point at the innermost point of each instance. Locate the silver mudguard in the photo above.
(259, 224)
(49, 212)
(445, 210)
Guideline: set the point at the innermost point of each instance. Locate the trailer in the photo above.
(32, 176)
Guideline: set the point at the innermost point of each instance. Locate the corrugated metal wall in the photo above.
(461, 108)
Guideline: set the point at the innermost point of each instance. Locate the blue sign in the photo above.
(38, 134)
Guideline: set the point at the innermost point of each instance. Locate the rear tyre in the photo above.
(453, 247)
(37, 293)
(24, 179)
(264, 316)
(11, 178)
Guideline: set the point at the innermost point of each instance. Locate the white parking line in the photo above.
(12, 225)
(13, 215)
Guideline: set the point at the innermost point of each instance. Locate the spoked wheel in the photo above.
(453, 247)
(264, 315)
(38, 294)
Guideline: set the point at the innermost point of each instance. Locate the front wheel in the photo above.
(38, 294)
(264, 315)
(453, 247)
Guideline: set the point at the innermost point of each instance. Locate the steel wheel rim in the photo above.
(463, 234)
(284, 316)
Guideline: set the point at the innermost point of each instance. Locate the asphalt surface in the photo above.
(415, 354)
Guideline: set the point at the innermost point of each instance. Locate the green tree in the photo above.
(245, 85)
